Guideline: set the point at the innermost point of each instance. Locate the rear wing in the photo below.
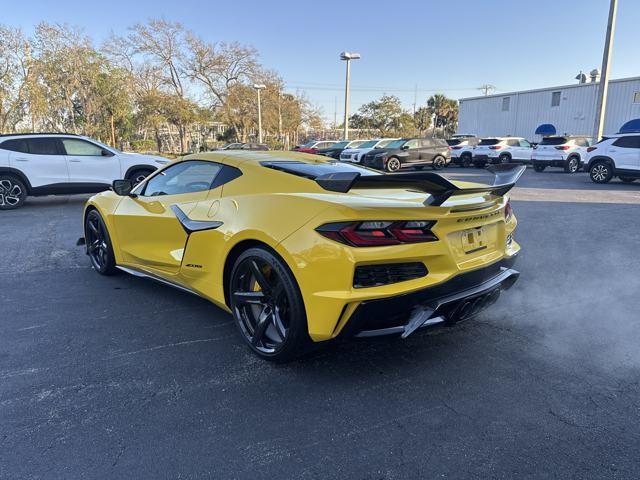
(440, 188)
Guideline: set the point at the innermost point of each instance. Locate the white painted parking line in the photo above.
(575, 195)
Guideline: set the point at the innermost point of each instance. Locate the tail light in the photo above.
(379, 233)
(563, 147)
(591, 149)
(495, 147)
(508, 211)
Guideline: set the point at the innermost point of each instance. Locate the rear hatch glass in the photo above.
(454, 141)
(553, 141)
(489, 141)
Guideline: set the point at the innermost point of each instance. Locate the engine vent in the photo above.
(376, 275)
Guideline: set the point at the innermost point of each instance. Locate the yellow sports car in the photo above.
(303, 249)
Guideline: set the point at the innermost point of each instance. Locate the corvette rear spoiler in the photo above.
(440, 188)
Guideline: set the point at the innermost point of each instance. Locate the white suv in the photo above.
(355, 155)
(615, 156)
(50, 164)
(564, 151)
(462, 149)
(502, 150)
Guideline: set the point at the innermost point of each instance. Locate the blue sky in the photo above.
(450, 46)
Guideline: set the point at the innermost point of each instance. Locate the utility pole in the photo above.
(347, 56)
(486, 89)
(603, 88)
(415, 99)
(259, 87)
(335, 113)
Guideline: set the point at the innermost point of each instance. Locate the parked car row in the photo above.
(244, 146)
(568, 152)
(388, 154)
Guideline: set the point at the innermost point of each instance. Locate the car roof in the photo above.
(41, 134)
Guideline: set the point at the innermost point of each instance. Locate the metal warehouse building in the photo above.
(570, 108)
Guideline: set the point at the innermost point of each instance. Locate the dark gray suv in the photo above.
(409, 152)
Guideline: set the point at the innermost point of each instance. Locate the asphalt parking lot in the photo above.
(123, 378)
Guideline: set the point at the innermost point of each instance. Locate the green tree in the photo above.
(444, 112)
(385, 115)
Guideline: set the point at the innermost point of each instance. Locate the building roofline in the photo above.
(560, 87)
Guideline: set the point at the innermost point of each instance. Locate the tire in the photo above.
(13, 192)
(139, 175)
(267, 306)
(628, 179)
(572, 165)
(99, 246)
(601, 172)
(393, 164)
(504, 159)
(439, 162)
(539, 168)
(466, 160)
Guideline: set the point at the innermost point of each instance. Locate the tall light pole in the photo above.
(603, 88)
(258, 87)
(347, 56)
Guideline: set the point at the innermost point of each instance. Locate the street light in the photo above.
(347, 56)
(258, 87)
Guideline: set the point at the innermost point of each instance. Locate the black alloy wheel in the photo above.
(267, 306)
(439, 163)
(13, 192)
(466, 160)
(98, 243)
(504, 159)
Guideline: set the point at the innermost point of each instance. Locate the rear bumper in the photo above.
(457, 299)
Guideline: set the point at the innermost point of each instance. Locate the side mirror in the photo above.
(122, 187)
(106, 153)
(405, 147)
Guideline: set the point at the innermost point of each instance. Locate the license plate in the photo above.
(474, 240)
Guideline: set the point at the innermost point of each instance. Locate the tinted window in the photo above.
(396, 144)
(412, 144)
(454, 141)
(628, 142)
(43, 146)
(513, 143)
(81, 148)
(489, 141)
(368, 144)
(553, 141)
(15, 145)
(184, 177)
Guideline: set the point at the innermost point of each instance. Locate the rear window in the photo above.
(628, 142)
(314, 170)
(454, 141)
(553, 141)
(489, 141)
(15, 145)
